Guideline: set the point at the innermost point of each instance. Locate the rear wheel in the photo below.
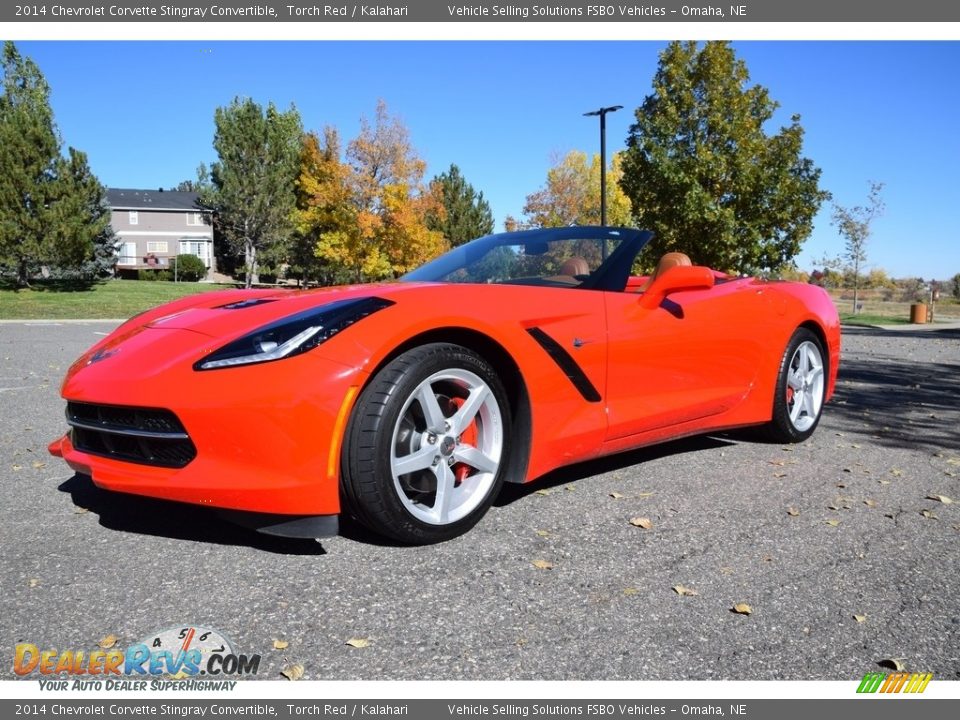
(801, 386)
(427, 448)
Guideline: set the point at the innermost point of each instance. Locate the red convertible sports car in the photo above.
(408, 404)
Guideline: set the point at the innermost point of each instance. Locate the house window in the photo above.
(158, 246)
(134, 217)
(195, 218)
(128, 254)
(201, 248)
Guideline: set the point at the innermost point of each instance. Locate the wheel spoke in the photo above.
(444, 496)
(803, 366)
(418, 460)
(799, 399)
(795, 380)
(431, 408)
(809, 404)
(468, 411)
(475, 459)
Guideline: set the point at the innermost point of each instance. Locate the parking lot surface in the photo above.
(843, 547)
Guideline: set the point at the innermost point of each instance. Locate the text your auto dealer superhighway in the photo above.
(163, 11)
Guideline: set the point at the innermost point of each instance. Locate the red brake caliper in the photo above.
(462, 471)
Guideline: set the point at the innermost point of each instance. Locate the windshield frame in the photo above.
(610, 276)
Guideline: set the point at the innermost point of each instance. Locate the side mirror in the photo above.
(676, 279)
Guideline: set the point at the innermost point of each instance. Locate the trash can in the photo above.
(918, 313)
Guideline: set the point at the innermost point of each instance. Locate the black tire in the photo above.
(394, 426)
(800, 390)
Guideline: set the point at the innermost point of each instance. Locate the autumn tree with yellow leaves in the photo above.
(364, 216)
(571, 195)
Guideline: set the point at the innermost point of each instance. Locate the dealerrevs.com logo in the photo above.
(167, 659)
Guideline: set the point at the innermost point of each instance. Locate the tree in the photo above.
(368, 213)
(956, 286)
(53, 210)
(326, 246)
(29, 153)
(252, 192)
(466, 215)
(83, 242)
(571, 195)
(703, 174)
(853, 225)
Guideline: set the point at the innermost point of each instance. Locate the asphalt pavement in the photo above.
(843, 547)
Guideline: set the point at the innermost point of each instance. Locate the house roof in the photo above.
(130, 199)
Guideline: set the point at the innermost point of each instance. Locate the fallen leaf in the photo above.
(742, 609)
(940, 498)
(37, 464)
(542, 564)
(860, 618)
(883, 482)
(105, 643)
(80, 510)
(792, 511)
(645, 494)
(684, 591)
(833, 523)
(630, 591)
(293, 672)
(854, 445)
(726, 570)
(833, 507)
(929, 515)
(18, 467)
(33, 582)
(570, 488)
(847, 470)
(890, 515)
(870, 503)
(542, 492)
(777, 462)
(768, 558)
(779, 475)
(616, 495)
(641, 522)
(543, 533)
(893, 664)
(280, 644)
(896, 472)
(841, 485)
(358, 642)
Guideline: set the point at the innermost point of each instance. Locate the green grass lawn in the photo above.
(868, 319)
(67, 300)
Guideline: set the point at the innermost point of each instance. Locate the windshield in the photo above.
(573, 257)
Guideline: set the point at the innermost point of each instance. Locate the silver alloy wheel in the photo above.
(805, 386)
(446, 447)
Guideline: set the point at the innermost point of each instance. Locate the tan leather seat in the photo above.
(669, 260)
(574, 266)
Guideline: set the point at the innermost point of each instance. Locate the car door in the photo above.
(692, 357)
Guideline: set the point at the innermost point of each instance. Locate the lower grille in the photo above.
(141, 435)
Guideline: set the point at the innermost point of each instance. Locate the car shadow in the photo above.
(902, 403)
(180, 521)
(512, 492)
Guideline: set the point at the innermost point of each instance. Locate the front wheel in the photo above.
(800, 390)
(427, 446)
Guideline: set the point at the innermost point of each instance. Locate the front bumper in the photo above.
(267, 437)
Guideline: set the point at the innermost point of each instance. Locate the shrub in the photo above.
(188, 268)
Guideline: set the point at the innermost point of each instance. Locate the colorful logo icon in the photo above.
(894, 683)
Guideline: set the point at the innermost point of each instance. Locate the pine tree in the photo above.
(29, 155)
(467, 214)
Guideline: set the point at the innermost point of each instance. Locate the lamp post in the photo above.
(602, 112)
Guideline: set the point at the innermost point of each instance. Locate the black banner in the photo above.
(81, 11)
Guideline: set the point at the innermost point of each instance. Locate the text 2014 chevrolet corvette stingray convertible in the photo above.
(409, 403)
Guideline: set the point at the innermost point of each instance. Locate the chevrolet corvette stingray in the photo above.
(408, 404)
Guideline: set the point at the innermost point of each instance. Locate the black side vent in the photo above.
(567, 364)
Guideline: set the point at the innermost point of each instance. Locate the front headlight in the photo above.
(292, 335)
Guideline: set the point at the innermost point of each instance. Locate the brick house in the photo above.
(156, 225)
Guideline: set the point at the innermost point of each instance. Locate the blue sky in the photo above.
(503, 111)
